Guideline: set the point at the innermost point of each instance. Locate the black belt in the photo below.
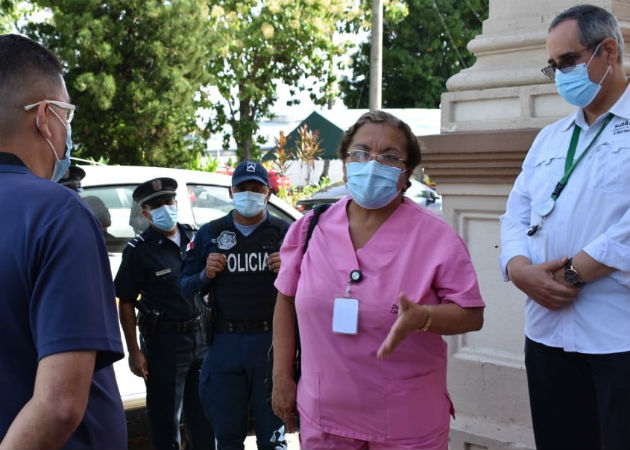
(180, 327)
(245, 326)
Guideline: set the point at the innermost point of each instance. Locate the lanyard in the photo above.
(569, 164)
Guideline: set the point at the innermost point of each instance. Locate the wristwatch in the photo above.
(571, 275)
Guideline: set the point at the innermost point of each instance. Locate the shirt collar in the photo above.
(621, 107)
(11, 159)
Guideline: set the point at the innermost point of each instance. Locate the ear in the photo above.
(345, 175)
(41, 120)
(609, 45)
(147, 215)
(403, 180)
(268, 196)
(230, 191)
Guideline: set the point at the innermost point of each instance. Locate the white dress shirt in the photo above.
(591, 214)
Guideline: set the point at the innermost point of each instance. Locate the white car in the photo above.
(201, 197)
(420, 193)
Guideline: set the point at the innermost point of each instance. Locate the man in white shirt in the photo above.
(566, 242)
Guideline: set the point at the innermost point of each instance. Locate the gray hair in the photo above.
(594, 25)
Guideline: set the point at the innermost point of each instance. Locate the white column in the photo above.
(505, 89)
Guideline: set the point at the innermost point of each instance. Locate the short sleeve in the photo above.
(291, 254)
(73, 305)
(127, 280)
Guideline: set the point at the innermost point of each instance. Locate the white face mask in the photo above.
(248, 204)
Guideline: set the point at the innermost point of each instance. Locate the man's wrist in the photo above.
(572, 275)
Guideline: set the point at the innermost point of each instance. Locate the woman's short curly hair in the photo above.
(413, 146)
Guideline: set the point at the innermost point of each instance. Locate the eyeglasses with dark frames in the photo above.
(567, 62)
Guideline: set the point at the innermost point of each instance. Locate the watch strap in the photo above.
(571, 275)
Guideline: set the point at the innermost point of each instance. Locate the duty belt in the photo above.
(180, 327)
(245, 326)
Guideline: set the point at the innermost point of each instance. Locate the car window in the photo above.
(277, 212)
(208, 202)
(124, 217)
(212, 202)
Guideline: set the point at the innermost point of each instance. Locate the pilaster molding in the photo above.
(476, 157)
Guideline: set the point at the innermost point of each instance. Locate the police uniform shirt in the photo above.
(244, 290)
(150, 266)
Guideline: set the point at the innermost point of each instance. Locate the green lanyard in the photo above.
(569, 164)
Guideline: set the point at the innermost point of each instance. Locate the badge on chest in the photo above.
(345, 315)
(226, 240)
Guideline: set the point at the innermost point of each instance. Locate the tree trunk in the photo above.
(244, 149)
(325, 169)
(243, 136)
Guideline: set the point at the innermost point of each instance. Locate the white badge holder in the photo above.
(345, 315)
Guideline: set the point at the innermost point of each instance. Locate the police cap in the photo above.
(154, 190)
(250, 170)
(72, 178)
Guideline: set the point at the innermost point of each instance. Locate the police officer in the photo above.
(72, 178)
(234, 260)
(172, 347)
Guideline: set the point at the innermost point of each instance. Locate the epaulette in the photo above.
(135, 242)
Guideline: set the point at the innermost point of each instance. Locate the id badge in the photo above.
(345, 316)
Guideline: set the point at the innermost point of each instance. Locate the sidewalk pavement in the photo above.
(292, 441)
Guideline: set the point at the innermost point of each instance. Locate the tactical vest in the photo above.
(244, 290)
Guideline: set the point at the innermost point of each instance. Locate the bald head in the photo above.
(28, 73)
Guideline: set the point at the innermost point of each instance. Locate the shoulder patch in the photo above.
(226, 240)
(191, 245)
(135, 242)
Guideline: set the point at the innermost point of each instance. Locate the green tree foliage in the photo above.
(134, 69)
(8, 15)
(12, 12)
(421, 50)
(259, 43)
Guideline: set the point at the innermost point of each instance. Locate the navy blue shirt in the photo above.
(56, 296)
(150, 267)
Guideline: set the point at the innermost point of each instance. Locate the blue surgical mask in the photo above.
(248, 204)
(62, 165)
(165, 217)
(372, 185)
(575, 86)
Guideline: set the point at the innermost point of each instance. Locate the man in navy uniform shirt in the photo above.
(235, 260)
(172, 347)
(58, 329)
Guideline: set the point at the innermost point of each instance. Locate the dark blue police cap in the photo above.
(153, 190)
(250, 170)
(72, 178)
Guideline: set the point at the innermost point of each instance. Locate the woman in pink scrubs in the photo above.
(381, 281)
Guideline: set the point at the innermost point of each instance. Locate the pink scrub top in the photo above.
(344, 389)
